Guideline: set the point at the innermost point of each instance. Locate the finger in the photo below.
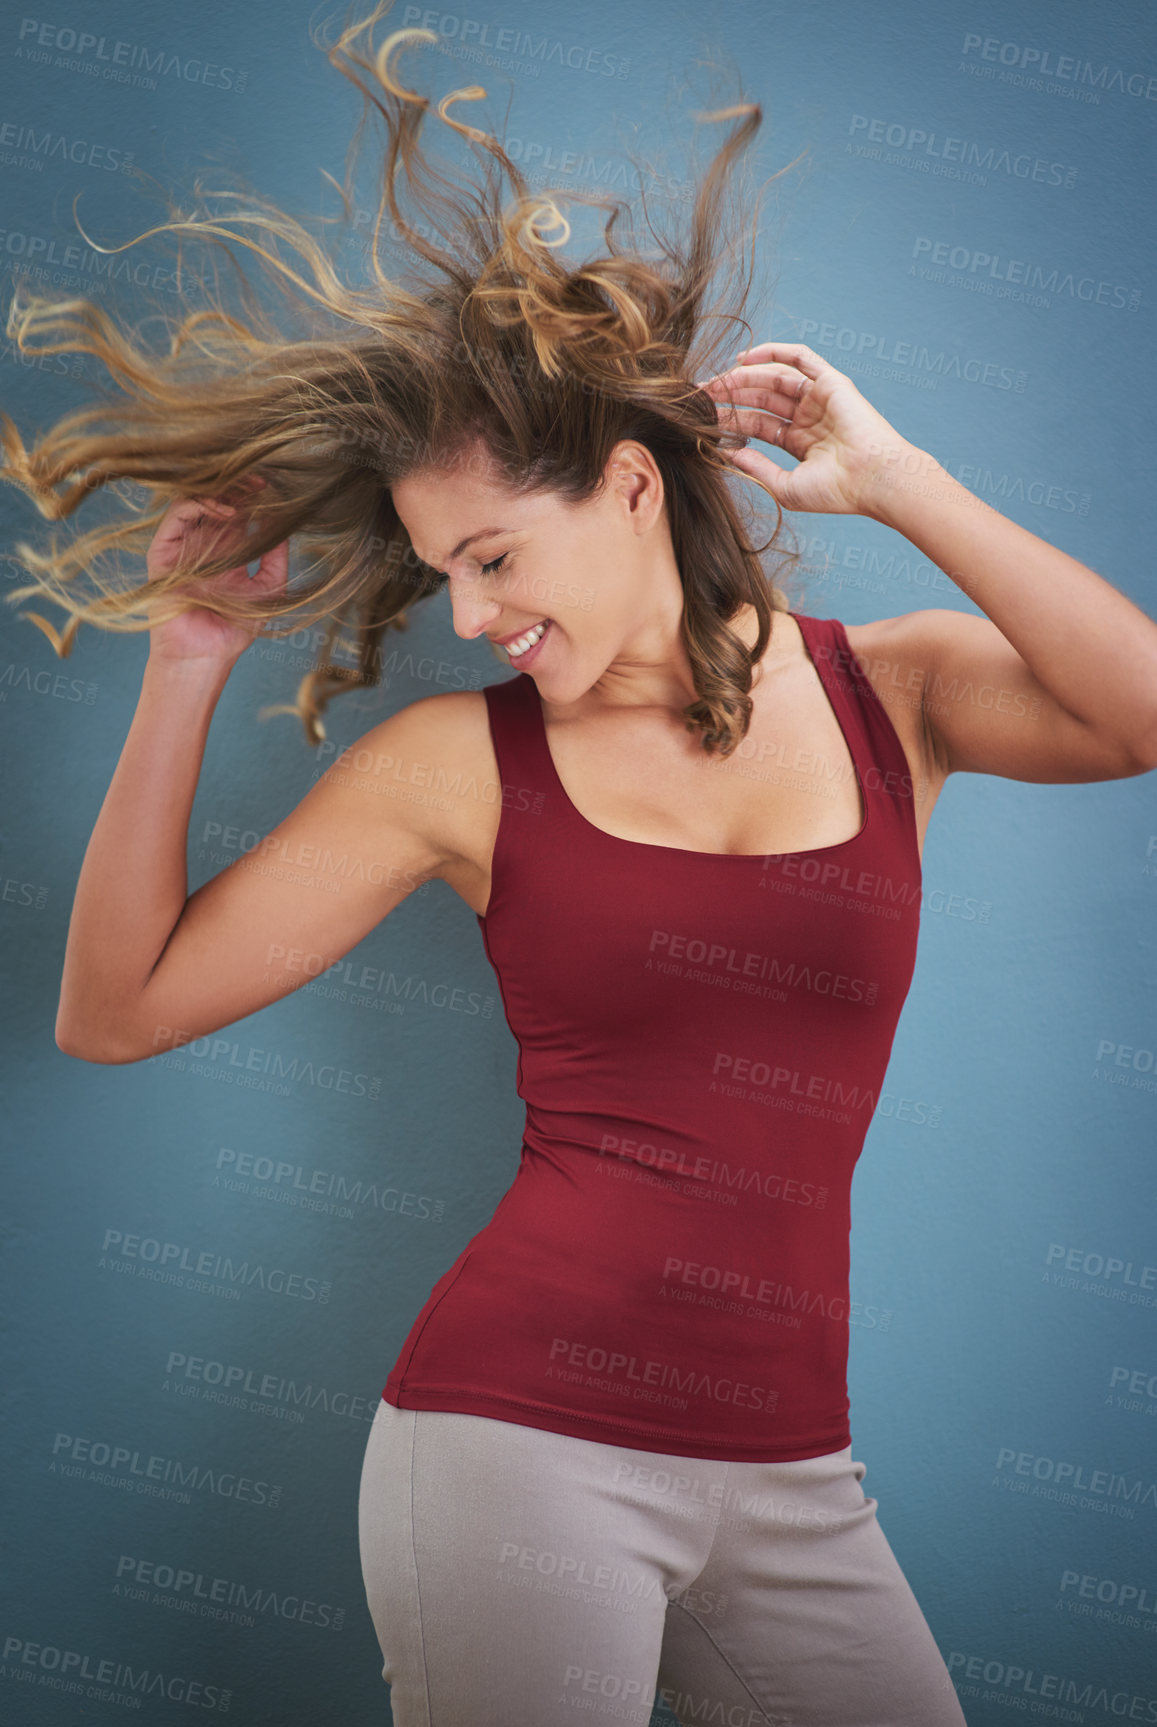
(773, 401)
(758, 467)
(192, 507)
(272, 573)
(785, 380)
(743, 368)
(193, 537)
(796, 354)
(206, 504)
(769, 375)
(183, 519)
(214, 537)
(750, 423)
(245, 491)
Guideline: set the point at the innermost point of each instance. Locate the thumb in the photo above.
(758, 467)
(272, 571)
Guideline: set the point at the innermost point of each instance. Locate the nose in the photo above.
(470, 609)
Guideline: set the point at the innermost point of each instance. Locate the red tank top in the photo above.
(702, 1039)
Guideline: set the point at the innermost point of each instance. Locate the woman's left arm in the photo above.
(1058, 682)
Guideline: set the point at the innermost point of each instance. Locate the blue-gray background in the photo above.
(954, 197)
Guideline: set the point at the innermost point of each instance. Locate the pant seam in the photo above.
(778, 1721)
(417, 1580)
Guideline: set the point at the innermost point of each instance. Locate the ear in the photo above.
(633, 476)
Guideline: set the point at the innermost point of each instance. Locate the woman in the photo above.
(612, 1462)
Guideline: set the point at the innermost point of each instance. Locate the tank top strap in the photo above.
(515, 739)
(872, 739)
(528, 785)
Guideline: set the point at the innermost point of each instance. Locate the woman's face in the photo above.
(600, 574)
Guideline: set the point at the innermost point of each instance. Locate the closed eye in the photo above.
(490, 569)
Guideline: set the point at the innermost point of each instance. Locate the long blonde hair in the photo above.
(498, 338)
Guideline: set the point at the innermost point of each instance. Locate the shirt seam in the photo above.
(589, 1420)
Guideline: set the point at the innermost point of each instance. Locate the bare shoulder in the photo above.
(894, 654)
(438, 755)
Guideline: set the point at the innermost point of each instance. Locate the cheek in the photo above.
(593, 564)
(575, 575)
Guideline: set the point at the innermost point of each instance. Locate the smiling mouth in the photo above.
(527, 640)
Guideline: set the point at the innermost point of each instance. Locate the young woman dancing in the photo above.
(613, 1462)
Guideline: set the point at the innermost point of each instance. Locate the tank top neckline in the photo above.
(835, 698)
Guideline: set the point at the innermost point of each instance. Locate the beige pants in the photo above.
(518, 1578)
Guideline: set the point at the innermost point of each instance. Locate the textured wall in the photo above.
(211, 1270)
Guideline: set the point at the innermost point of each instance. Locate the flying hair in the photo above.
(492, 340)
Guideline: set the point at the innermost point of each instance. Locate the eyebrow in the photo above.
(481, 534)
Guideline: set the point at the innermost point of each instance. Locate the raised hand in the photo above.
(787, 396)
(194, 528)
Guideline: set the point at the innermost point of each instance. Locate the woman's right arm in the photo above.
(147, 966)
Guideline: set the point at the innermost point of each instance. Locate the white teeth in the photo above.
(514, 649)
